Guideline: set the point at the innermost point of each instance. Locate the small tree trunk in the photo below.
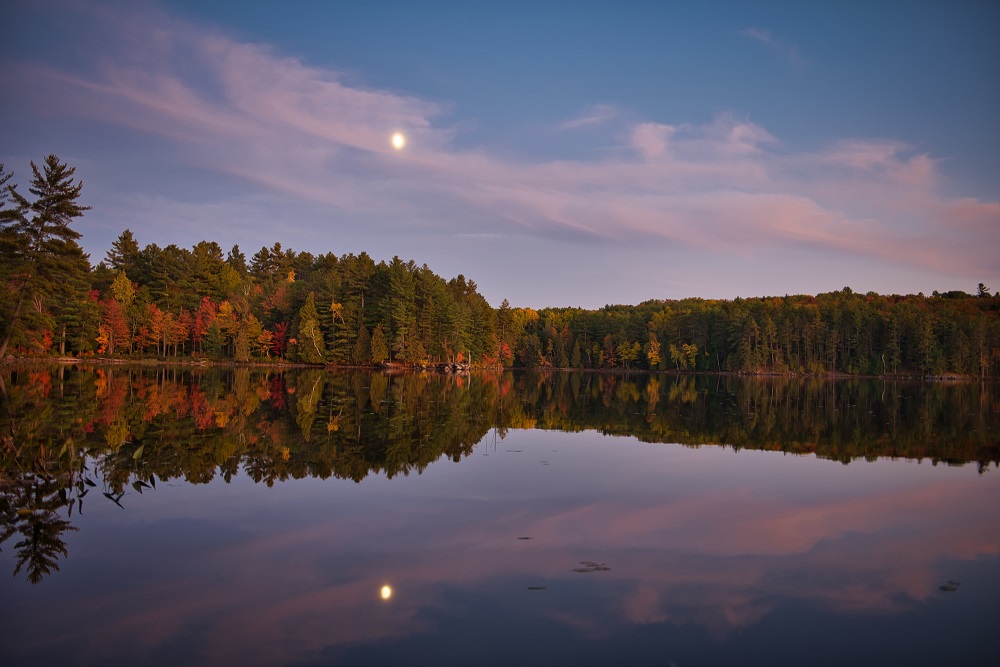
(15, 318)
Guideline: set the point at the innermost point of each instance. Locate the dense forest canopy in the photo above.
(280, 304)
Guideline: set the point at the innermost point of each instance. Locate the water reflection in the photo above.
(197, 423)
(703, 548)
(66, 427)
(591, 549)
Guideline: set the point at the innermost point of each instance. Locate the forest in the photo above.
(281, 305)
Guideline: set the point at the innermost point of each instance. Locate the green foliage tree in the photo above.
(237, 261)
(362, 352)
(628, 352)
(38, 246)
(380, 346)
(214, 340)
(122, 289)
(124, 254)
(312, 348)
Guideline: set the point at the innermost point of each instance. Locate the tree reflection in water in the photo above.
(70, 430)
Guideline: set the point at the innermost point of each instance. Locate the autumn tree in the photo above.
(248, 337)
(312, 348)
(265, 339)
(279, 340)
(653, 351)
(628, 352)
(113, 329)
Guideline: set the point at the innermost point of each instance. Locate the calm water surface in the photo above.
(166, 516)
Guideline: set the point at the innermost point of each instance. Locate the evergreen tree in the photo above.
(207, 269)
(214, 340)
(415, 352)
(74, 309)
(124, 254)
(402, 305)
(4, 193)
(237, 261)
(362, 352)
(380, 346)
(39, 246)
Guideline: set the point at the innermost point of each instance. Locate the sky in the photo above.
(557, 153)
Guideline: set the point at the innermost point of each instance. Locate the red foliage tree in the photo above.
(113, 328)
(279, 341)
(201, 321)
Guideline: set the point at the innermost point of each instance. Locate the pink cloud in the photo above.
(305, 132)
(650, 139)
(593, 115)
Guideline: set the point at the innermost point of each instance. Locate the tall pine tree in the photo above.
(39, 248)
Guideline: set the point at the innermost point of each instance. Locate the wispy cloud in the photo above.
(593, 115)
(790, 54)
(303, 133)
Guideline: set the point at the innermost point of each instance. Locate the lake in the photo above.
(164, 515)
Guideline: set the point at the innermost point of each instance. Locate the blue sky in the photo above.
(559, 154)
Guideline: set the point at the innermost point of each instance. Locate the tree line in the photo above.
(280, 304)
(834, 333)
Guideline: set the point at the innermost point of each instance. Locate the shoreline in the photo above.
(15, 361)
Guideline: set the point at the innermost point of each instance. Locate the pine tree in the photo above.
(362, 352)
(380, 347)
(213, 340)
(124, 254)
(402, 306)
(39, 247)
(74, 309)
(237, 260)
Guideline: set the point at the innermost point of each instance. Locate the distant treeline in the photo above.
(349, 310)
(838, 332)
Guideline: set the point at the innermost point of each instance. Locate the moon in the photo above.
(386, 590)
(398, 140)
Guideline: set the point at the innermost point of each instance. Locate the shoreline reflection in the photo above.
(686, 540)
(250, 517)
